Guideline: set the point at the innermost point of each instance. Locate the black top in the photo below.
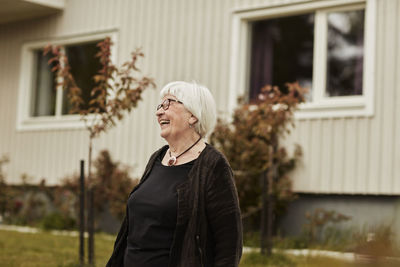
(152, 213)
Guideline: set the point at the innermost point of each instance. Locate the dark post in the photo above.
(270, 213)
(272, 176)
(263, 212)
(90, 208)
(82, 215)
(91, 226)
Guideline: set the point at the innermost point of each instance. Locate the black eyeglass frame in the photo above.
(165, 104)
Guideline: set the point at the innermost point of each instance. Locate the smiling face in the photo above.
(174, 122)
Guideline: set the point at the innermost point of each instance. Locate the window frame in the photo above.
(321, 106)
(25, 121)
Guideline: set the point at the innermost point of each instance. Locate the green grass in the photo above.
(281, 260)
(45, 249)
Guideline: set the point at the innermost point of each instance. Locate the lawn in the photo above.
(46, 249)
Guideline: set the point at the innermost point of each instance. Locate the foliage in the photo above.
(112, 185)
(23, 204)
(248, 143)
(3, 160)
(324, 231)
(335, 237)
(275, 260)
(57, 221)
(252, 239)
(117, 89)
(292, 242)
(4, 193)
(318, 220)
(26, 204)
(376, 241)
(57, 207)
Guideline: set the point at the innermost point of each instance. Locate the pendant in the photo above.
(172, 161)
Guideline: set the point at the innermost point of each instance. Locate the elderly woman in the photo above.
(185, 211)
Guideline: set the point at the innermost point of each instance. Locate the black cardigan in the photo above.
(209, 228)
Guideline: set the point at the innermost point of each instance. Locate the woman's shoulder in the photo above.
(211, 154)
(217, 165)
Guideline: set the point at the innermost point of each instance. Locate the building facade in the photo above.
(347, 52)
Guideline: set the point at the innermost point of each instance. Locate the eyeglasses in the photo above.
(166, 102)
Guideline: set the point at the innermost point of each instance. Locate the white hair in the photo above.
(198, 100)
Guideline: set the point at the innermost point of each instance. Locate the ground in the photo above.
(47, 249)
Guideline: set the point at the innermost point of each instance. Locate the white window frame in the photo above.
(320, 106)
(59, 121)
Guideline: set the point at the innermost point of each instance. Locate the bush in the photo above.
(296, 242)
(57, 221)
(321, 223)
(252, 239)
(57, 207)
(250, 142)
(377, 241)
(112, 185)
(276, 260)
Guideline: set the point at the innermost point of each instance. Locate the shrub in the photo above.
(296, 242)
(377, 241)
(275, 260)
(57, 221)
(112, 185)
(251, 144)
(318, 222)
(4, 192)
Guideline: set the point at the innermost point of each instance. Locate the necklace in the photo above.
(172, 159)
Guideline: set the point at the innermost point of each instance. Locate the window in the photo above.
(345, 53)
(44, 86)
(43, 104)
(327, 46)
(84, 65)
(281, 52)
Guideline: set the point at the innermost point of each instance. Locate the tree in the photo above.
(117, 92)
(251, 144)
(4, 193)
(115, 182)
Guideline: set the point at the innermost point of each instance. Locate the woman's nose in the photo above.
(160, 112)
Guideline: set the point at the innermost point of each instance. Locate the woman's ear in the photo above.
(192, 120)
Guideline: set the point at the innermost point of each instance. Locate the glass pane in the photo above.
(44, 88)
(281, 52)
(345, 53)
(84, 65)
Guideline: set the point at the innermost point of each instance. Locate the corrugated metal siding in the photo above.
(189, 40)
(396, 110)
(359, 155)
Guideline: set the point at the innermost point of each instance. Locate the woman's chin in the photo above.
(164, 134)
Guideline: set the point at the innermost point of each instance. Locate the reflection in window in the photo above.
(84, 65)
(281, 52)
(44, 91)
(345, 53)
